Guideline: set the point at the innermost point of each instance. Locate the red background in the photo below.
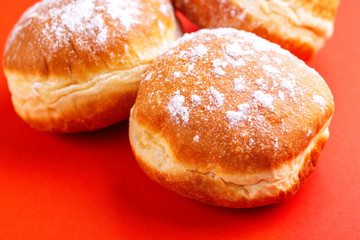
(89, 186)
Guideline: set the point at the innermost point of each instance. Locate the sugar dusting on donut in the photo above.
(227, 118)
(75, 65)
(64, 21)
(263, 84)
(176, 107)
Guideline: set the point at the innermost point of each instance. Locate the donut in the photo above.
(230, 119)
(75, 65)
(297, 25)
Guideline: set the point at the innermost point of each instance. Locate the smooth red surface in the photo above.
(89, 186)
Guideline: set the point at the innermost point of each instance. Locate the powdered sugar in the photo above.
(196, 138)
(190, 67)
(319, 100)
(270, 69)
(81, 20)
(264, 99)
(277, 60)
(238, 84)
(287, 84)
(195, 99)
(264, 46)
(218, 63)
(244, 107)
(177, 74)
(72, 16)
(276, 145)
(235, 117)
(262, 80)
(238, 62)
(102, 36)
(281, 95)
(199, 50)
(218, 67)
(219, 71)
(216, 96)
(127, 12)
(308, 133)
(177, 109)
(148, 76)
(259, 81)
(234, 50)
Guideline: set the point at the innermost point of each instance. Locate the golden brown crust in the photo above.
(229, 103)
(289, 122)
(299, 26)
(47, 41)
(83, 46)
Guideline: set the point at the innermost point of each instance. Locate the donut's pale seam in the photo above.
(245, 187)
(71, 88)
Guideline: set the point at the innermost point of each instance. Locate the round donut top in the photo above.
(72, 35)
(228, 99)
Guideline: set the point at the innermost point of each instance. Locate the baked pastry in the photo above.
(230, 119)
(75, 65)
(297, 25)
